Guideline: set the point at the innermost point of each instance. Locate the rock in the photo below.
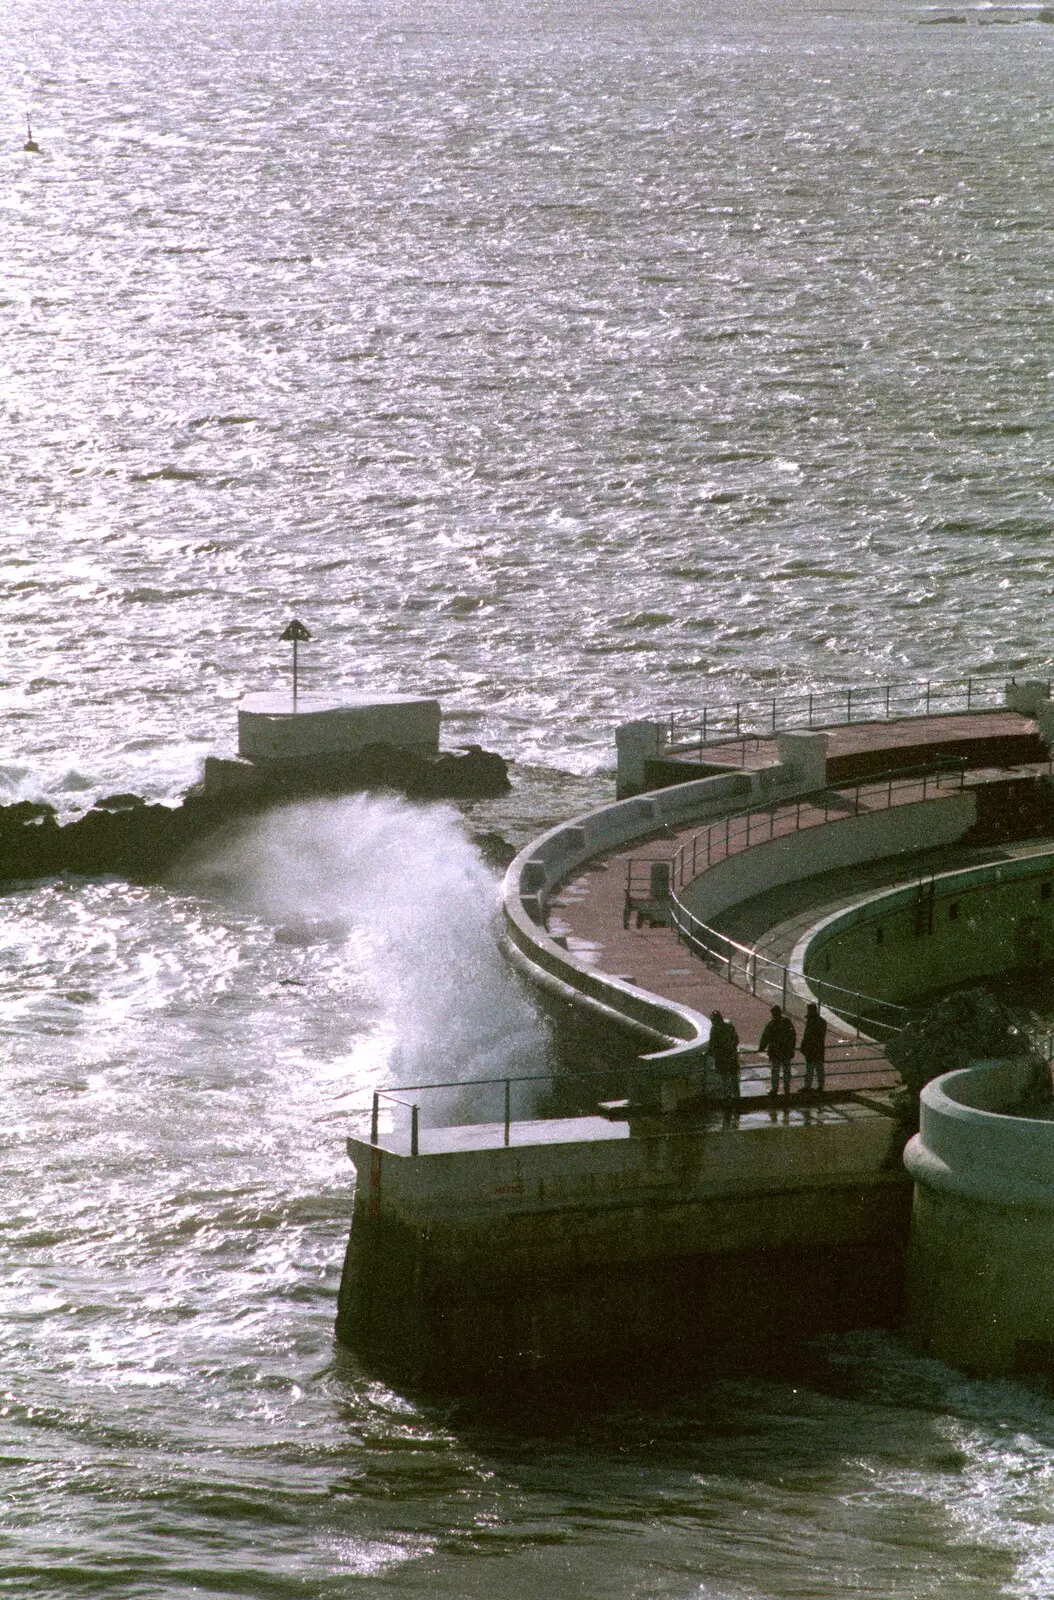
(496, 851)
(22, 811)
(475, 775)
(123, 834)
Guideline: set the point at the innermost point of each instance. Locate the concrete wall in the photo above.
(839, 843)
(553, 857)
(985, 921)
(474, 1266)
(270, 730)
(701, 1162)
(980, 1266)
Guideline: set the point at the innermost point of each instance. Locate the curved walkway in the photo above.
(587, 911)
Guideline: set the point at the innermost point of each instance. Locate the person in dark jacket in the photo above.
(724, 1052)
(813, 1044)
(777, 1041)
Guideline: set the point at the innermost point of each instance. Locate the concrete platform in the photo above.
(899, 735)
(754, 1111)
(587, 911)
(274, 727)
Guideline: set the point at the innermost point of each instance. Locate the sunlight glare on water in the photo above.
(572, 363)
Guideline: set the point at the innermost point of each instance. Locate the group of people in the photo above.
(778, 1041)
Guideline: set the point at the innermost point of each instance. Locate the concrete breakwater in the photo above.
(684, 1222)
(588, 1244)
(123, 834)
(980, 1275)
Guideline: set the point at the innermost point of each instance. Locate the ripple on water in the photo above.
(573, 366)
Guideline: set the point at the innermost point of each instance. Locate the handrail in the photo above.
(828, 708)
(755, 969)
(854, 1065)
(891, 783)
(759, 971)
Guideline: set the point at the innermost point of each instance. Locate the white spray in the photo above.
(409, 888)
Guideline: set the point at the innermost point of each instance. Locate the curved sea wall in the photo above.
(980, 1266)
(671, 1033)
(954, 928)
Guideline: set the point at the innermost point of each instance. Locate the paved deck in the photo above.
(856, 738)
(753, 1112)
(587, 911)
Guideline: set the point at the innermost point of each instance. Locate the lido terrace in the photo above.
(859, 854)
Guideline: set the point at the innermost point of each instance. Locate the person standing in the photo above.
(813, 1046)
(724, 1052)
(777, 1041)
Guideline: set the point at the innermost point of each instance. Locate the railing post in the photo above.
(969, 692)
(887, 701)
(849, 705)
(704, 725)
(414, 1130)
(773, 713)
(508, 1102)
(927, 697)
(784, 1000)
(375, 1118)
(737, 720)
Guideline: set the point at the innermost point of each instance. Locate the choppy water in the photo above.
(570, 362)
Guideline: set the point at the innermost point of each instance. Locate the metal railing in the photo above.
(394, 1097)
(845, 1066)
(747, 966)
(775, 818)
(761, 718)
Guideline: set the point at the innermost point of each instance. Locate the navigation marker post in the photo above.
(295, 634)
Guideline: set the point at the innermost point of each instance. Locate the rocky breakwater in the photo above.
(124, 834)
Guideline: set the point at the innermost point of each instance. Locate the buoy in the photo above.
(30, 146)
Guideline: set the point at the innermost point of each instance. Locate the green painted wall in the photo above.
(981, 923)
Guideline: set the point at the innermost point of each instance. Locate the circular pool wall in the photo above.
(980, 1282)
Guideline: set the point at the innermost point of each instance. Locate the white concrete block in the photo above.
(805, 752)
(636, 742)
(270, 730)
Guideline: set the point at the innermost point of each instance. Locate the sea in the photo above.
(571, 362)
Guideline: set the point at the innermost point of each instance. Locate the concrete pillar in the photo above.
(1044, 715)
(980, 1267)
(636, 742)
(806, 754)
(1026, 697)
